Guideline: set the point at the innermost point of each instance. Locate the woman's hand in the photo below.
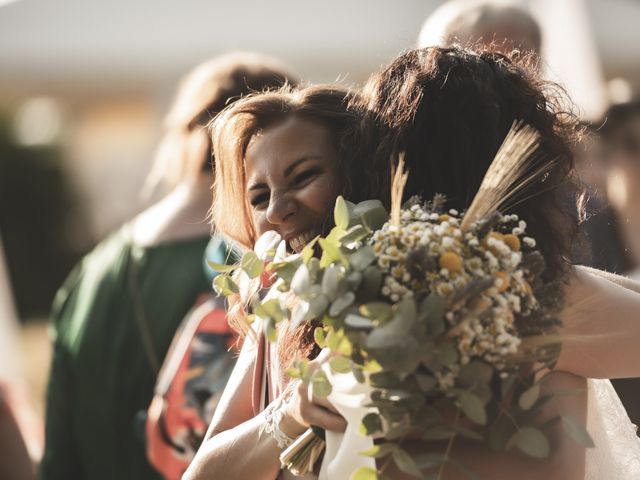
(304, 409)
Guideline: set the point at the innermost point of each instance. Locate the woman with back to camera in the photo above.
(271, 202)
(117, 312)
(449, 109)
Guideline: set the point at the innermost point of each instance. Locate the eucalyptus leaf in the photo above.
(371, 213)
(320, 384)
(371, 283)
(222, 267)
(341, 303)
(284, 270)
(434, 307)
(365, 473)
(301, 281)
(357, 322)
(300, 313)
(446, 353)
(475, 372)
(405, 463)
(380, 450)
(385, 338)
(330, 253)
(345, 347)
(379, 311)
(472, 407)
(577, 431)
(371, 423)
(354, 279)
(267, 244)
(532, 442)
(340, 364)
(271, 332)
(223, 285)
(273, 309)
(426, 382)
(341, 213)
(362, 258)
(251, 264)
(331, 281)
(317, 307)
(319, 337)
(354, 234)
(529, 397)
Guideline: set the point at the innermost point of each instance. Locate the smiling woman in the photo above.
(293, 179)
(282, 159)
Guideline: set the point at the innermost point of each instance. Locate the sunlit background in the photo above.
(84, 85)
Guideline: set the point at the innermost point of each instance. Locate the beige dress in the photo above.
(268, 383)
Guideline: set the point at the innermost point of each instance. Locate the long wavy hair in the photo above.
(449, 110)
(231, 133)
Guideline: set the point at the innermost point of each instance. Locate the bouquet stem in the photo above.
(300, 457)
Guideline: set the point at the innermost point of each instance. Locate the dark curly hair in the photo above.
(449, 110)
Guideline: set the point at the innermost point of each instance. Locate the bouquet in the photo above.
(442, 317)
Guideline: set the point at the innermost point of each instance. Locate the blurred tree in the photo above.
(38, 217)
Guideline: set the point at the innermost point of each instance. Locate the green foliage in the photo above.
(407, 346)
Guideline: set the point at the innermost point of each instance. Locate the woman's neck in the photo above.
(182, 214)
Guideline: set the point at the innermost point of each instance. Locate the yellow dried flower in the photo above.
(451, 261)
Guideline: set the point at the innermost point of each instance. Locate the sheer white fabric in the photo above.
(617, 452)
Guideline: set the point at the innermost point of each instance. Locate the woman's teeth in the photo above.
(298, 242)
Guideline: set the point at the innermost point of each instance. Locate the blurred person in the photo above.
(606, 247)
(15, 463)
(114, 317)
(502, 25)
(20, 428)
(620, 133)
(620, 138)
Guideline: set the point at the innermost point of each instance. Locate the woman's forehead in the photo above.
(285, 140)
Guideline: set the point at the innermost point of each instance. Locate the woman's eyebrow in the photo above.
(292, 166)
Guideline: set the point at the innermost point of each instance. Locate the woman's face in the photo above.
(293, 179)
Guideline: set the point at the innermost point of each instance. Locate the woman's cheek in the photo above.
(320, 196)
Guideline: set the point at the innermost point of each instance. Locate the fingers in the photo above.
(319, 411)
(316, 415)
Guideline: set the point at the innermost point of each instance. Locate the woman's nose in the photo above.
(281, 209)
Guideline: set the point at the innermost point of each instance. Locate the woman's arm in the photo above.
(236, 445)
(601, 327)
(621, 280)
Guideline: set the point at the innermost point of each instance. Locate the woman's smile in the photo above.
(293, 179)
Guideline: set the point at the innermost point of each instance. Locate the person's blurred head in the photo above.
(185, 150)
(449, 110)
(503, 25)
(620, 135)
(281, 160)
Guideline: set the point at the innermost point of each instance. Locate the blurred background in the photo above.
(84, 85)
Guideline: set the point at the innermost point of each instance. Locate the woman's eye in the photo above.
(259, 200)
(304, 176)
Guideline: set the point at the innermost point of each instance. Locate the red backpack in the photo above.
(191, 380)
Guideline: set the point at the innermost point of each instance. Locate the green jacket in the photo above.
(112, 323)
